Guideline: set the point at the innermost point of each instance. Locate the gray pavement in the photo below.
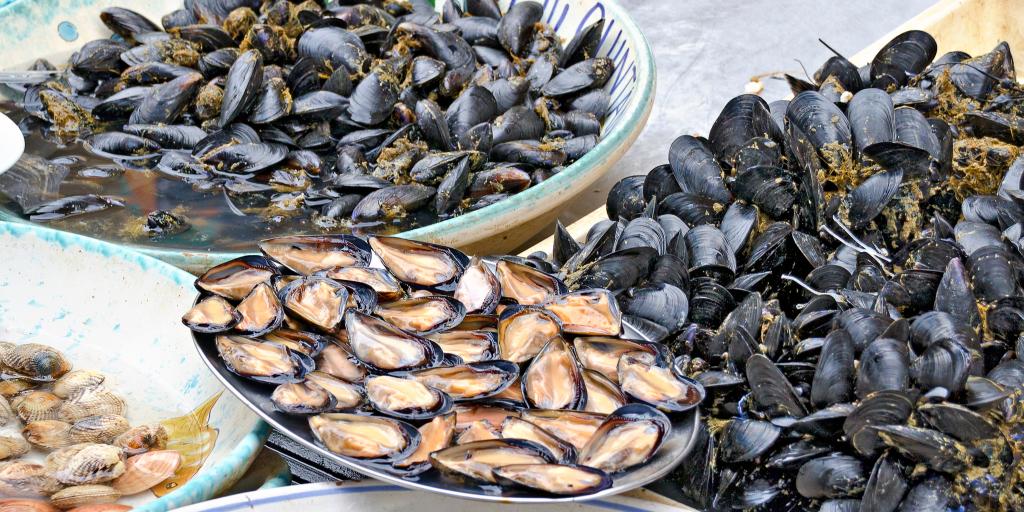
(706, 51)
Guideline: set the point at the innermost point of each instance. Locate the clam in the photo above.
(518, 428)
(260, 311)
(23, 478)
(364, 437)
(479, 430)
(234, 279)
(12, 387)
(554, 380)
(523, 331)
(27, 505)
(35, 361)
(37, 405)
(526, 285)
(6, 412)
(346, 395)
(318, 301)
(309, 254)
(76, 380)
(384, 347)
(13, 446)
(49, 434)
(471, 381)
(477, 460)
(560, 479)
(142, 439)
(146, 470)
(419, 264)
(86, 463)
(82, 495)
(435, 435)
(261, 360)
(573, 427)
(587, 312)
(306, 397)
(423, 315)
(642, 380)
(98, 429)
(628, 437)
(406, 398)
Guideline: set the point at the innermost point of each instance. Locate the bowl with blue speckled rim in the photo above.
(106, 308)
(53, 29)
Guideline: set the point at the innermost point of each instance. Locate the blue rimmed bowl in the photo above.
(114, 310)
(55, 28)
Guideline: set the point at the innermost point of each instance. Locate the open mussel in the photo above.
(477, 460)
(364, 437)
(627, 437)
(470, 381)
(384, 347)
(261, 360)
(420, 264)
(408, 399)
(642, 380)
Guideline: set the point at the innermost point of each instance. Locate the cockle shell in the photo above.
(37, 405)
(13, 446)
(22, 478)
(142, 438)
(50, 434)
(92, 401)
(71, 497)
(76, 380)
(98, 429)
(86, 463)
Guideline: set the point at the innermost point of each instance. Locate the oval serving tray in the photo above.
(256, 395)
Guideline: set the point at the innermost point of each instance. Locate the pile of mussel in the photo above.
(352, 115)
(842, 272)
(412, 357)
(93, 455)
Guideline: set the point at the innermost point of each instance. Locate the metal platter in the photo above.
(675, 449)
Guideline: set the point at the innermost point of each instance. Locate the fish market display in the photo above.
(236, 120)
(842, 273)
(65, 441)
(410, 357)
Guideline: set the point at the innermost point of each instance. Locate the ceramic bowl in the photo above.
(55, 28)
(114, 310)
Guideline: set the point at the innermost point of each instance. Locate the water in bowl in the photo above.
(214, 222)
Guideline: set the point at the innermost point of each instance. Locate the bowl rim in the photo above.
(637, 109)
(202, 486)
(282, 497)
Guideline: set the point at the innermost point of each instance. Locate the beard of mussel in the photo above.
(839, 171)
(1006, 492)
(904, 217)
(979, 165)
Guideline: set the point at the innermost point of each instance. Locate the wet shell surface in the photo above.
(146, 470)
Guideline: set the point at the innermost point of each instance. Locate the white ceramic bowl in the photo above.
(114, 310)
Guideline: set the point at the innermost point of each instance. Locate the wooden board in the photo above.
(973, 26)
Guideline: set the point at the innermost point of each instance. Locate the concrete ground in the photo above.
(707, 50)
